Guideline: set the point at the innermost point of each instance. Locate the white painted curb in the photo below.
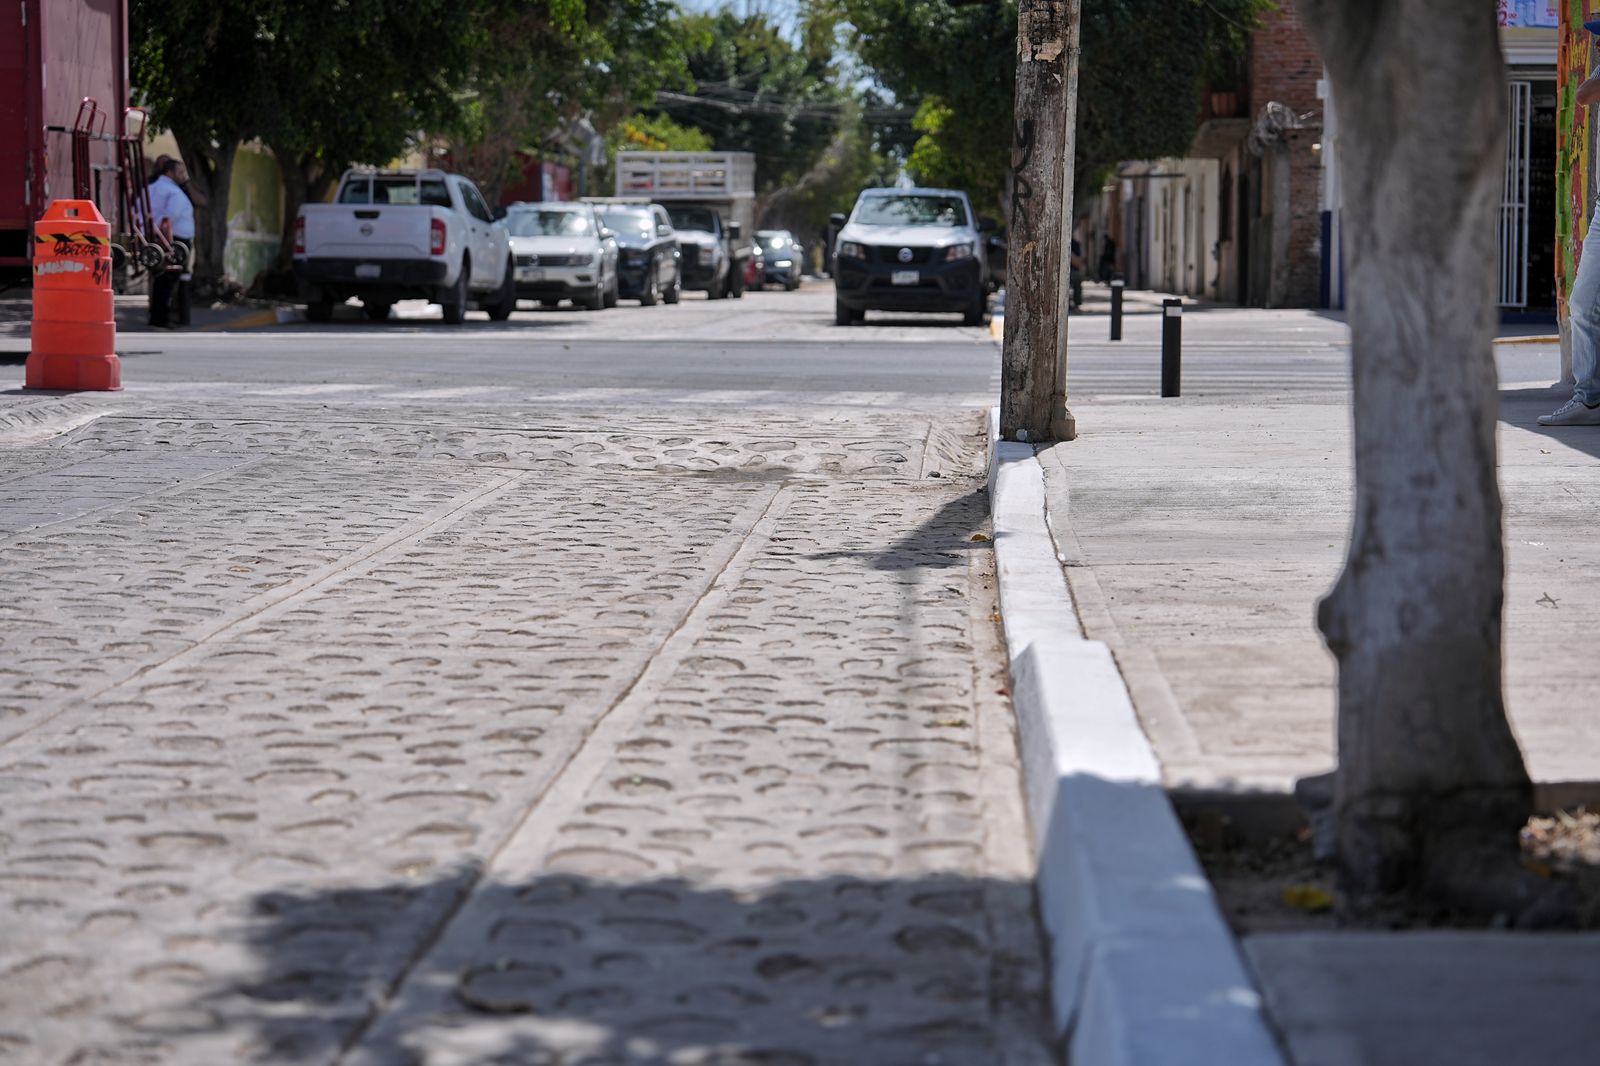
(1144, 970)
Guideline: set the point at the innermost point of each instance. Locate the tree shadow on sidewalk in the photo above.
(942, 541)
(566, 970)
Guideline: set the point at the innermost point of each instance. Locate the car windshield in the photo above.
(635, 221)
(549, 223)
(395, 190)
(701, 218)
(911, 211)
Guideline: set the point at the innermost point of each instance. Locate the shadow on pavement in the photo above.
(565, 969)
(941, 542)
(1522, 408)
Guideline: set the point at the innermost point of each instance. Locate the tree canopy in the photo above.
(1144, 65)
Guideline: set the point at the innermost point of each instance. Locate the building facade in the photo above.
(1253, 214)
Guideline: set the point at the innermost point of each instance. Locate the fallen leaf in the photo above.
(981, 538)
(951, 723)
(1308, 898)
(1003, 690)
(1546, 601)
(1538, 869)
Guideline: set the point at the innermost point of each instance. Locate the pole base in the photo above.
(1063, 426)
(73, 373)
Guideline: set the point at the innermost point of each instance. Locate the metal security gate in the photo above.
(1514, 197)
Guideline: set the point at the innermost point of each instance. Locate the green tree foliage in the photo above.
(338, 82)
(600, 59)
(1144, 65)
(757, 90)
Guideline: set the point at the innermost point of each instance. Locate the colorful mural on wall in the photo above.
(1574, 143)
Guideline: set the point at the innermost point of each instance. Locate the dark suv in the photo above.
(910, 250)
(649, 264)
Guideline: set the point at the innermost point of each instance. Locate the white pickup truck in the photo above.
(404, 235)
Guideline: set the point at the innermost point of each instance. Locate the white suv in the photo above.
(563, 251)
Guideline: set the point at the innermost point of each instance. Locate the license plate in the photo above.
(905, 277)
(369, 270)
(530, 275)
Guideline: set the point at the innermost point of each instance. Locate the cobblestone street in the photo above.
(432, 735)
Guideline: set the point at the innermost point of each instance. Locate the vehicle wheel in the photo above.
(846, 316)
(595, 300)
(505, 301)
(455, 305)
(376, 311)
(674, 292)
(611, 292)
(321, 311)
(791, 285)
(652, 286)
(736, 282)
(973, 315)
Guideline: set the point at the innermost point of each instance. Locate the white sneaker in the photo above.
(1572, 413)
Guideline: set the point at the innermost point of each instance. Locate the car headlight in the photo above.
(958, 251)
(852, 250)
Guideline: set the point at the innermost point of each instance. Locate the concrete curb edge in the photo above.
(1143, 968)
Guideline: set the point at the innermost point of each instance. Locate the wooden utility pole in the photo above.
(1033, 379)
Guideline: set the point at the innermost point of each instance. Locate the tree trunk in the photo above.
(306, 180)
(211, 171)
(1431, 790)
(1040, 153)
(295, 191)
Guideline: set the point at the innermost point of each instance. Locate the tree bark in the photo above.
(211, 170)
(306, 180)
(1431, 790)
(1040, 157)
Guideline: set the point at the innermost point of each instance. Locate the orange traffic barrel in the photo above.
(74, 322)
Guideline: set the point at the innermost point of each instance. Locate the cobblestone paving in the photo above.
(421, 737)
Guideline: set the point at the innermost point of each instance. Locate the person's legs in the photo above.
(161, 288)
(1584, 317)
(1585, 309)
(185, 284)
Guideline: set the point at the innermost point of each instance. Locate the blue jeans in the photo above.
(1585, 318)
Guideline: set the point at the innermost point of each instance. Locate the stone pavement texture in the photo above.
(430, 736)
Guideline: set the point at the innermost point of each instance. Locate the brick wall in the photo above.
(1284, 67)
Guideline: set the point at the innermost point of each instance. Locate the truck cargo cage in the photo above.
(665, 176)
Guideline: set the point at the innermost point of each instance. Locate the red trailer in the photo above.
(53, 53)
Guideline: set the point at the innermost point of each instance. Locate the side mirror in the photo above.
(837, 219)
(606, 234)
(987, 225)
(499, 214)
(735, 230)
(663, 231)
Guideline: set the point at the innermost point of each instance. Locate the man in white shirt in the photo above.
(173, 213)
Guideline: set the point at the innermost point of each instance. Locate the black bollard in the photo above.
(1116, 308)
(1171, 346)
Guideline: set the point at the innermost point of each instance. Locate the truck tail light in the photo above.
(299, 236)
(436, 237)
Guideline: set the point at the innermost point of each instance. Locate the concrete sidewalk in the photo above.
(132, 313)
(1197, 536)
